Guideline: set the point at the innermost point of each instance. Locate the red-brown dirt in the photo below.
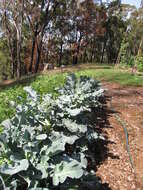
(116, 171)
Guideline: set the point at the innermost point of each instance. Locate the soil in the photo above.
(116, 169)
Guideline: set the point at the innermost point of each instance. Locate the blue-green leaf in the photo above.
(22, 165)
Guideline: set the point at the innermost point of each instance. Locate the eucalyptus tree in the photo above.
(8, 31)
(61, 26)
(115, 27)
(84, 27)
(135, 31)
(12, 18)
(39, 15)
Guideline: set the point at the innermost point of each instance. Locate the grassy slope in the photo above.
(114, 75)
(47, 83)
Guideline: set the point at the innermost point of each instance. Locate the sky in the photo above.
(132, 2)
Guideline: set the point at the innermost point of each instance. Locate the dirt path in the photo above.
(116, 170)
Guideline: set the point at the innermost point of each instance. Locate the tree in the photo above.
(12, 19)
(61, 27)
(39, 19)
(141, 4)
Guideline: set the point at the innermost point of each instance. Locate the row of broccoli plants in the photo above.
(46, 144)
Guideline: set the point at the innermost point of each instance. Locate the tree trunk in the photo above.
(10, 46)
(61, 53)
(73, 60)
(92, 51)
(12, 58)
(38, 57)
(18, 58)
(76, 60)
(104, 47)
(45, 23)
(77, 51)
(140, 47)
(18, 26)
(32, 53)
(84, 56)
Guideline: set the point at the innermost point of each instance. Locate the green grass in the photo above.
(47, 83)
(114, 75)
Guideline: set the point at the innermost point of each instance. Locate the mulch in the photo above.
(116, 169)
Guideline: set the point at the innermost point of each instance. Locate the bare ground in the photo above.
(116, 170)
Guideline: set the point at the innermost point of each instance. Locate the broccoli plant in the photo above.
(46, 144)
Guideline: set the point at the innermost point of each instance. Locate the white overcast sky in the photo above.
(132, 2)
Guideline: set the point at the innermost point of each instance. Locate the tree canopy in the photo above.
(62, 32)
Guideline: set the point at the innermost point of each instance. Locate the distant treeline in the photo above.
(62, 32)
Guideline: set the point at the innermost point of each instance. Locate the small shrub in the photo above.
(139, 63)
(123, 54)
(131, 61)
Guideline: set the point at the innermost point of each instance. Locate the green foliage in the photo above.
(114, 75)
(131, 61)
(139, 63)
(10, 94)
(123, 53)
(132, 42)
(43, 84)
(48, 141)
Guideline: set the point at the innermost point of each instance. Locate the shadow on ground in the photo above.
(100, 147)
(22, 82)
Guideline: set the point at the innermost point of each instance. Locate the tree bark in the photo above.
(32, 53)
(18, 26)
(18, 58)
(84, 56)
(9, 38)
(11, 50)
(104, 47)
(61, 53)
(140, 47)
(39, 48)
(38, 57)
(75, 60)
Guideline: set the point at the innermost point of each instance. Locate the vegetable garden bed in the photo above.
(49, 143)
